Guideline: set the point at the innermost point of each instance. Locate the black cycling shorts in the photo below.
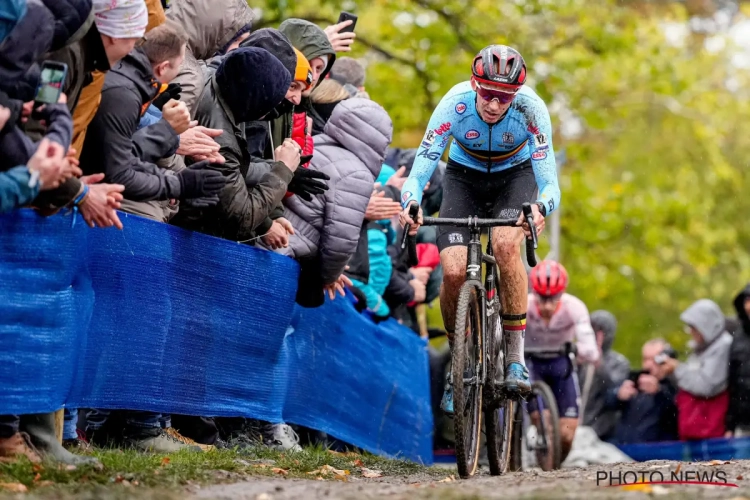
(468, 192)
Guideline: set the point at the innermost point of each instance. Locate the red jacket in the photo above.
(301, 136)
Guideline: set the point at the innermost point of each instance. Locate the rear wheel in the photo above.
(466, 363)
(549, 449)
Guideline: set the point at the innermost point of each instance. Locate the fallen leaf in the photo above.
(261, 466)
(118, 479)
(165, 461)
(136, 483)
(371, 473)
(645, 488)
(448, 479)
(660, 490)
(14, 487)
(278, 470)
(359, 463)
(37, 467)
(415, 485)
(70, 467)
(740, 478)
(37, 478)
(679, 466)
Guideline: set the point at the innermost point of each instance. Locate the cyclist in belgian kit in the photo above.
(501, 155)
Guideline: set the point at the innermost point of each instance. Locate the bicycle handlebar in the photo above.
(472, 222)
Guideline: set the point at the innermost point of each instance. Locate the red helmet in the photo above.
(499, 65)
(549, 278)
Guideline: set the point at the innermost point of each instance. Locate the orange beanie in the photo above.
(303, 73)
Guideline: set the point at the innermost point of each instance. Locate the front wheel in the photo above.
(548, 447)
(466, 370)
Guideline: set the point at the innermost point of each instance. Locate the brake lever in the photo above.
(529, 216)
(413, 213)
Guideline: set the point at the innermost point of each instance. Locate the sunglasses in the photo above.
(551, 298)
(488, 94)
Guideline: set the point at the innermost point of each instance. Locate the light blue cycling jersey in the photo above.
(524, 132)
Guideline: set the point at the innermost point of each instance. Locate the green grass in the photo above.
(124, 472)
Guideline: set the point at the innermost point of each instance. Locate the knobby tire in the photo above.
(467, 401)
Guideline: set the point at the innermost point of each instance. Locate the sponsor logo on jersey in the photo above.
(508, 138)
(540, 142)
(429, 138)
(539, 155)
(532, 128)
(454, 238)
(443, 128)
(425, 153)
(472, 134)
(509, 213)
(405, 196)
(460, 108)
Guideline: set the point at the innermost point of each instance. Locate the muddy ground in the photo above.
(566, 483)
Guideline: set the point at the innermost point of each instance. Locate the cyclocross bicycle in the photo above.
(537, 419)
(476, 355)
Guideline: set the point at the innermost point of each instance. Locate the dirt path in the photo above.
(567, 483)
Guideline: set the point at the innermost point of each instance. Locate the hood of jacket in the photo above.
(137, 68)
(275, 42)
(364, 128)
(22, 48)
(706, 316)
(10, 13)
(605, 322)
(252, 82)
(73, 18)
(309, 39)
(210, 24)
(739, 305)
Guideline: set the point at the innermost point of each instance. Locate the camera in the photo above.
(662, 357)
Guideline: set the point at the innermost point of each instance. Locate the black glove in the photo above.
(173, 92)
(304, 183)
(361, 303)
(205, 202)
(197, 181)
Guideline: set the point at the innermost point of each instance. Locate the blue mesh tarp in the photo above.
(157, 318)
(690, 451)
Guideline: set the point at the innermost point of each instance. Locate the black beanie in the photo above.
(252, 82)
(275, 42)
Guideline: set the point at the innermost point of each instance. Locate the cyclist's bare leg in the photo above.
(506, 242)
(453, 260)
(568, 428)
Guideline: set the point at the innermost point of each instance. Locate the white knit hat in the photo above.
(121, 18)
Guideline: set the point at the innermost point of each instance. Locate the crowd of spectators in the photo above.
(183, 114)
(705, 396)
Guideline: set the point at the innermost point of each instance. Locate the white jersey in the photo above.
(569, 323)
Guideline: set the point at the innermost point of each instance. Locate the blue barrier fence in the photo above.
(689, 451)
(157, 318)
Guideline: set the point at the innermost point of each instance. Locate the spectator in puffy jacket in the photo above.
(611, 371)
(703, 399)
(327, 228)
(235, 94)
(211, 26)
(323, 100)
(738, 414)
